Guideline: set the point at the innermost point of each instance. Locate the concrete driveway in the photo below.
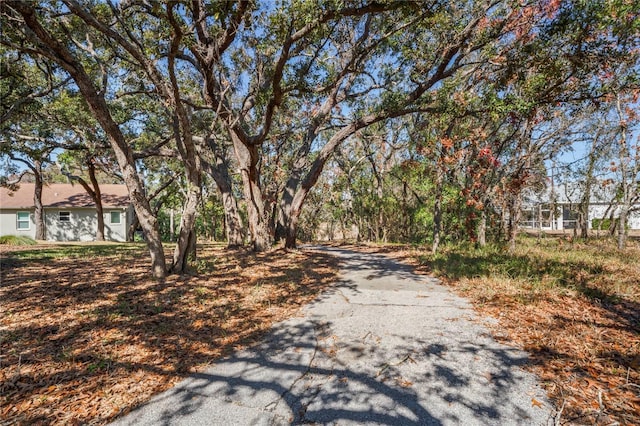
(383, 346)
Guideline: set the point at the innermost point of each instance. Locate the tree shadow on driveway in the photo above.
(301, 374)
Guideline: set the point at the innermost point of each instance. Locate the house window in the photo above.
(115, 217)
(64, 217)
(569, 218)
(23, 221)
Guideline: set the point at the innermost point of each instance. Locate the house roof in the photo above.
(63, 195)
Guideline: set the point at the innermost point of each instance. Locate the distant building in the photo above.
(69, 212)
(556, 208)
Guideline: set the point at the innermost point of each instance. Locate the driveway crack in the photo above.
(273, 405)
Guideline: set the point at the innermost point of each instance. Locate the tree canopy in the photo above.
(391, 116)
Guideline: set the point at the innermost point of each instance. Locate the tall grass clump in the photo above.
(595, 269)
(13, 240)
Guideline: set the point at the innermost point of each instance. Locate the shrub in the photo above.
(605, 224)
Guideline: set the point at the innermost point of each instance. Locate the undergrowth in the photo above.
(14, 240)
(595, 269)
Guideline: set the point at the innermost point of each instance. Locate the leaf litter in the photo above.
(84, 339)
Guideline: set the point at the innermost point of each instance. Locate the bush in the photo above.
(14, 240)
(603, 224)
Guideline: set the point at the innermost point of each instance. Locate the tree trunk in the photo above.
(131, 232)
(613, 224)
(293, 209)
(186, 235)
(583, 224)
(629, 171)
(38, 214)
(482, 228)
(193, 170)
(314, 171)
(583, 211)
(622, 227)
(514, 220)
(283, 227)
(437, 212)
(258, 223)
(220, 174)
(583, 217)
(150, 227)
(503, 230)
(97, 198)
(291, 231)
(100, 229)
(286, 226)
(232, 221)
(94, 192)
(437, 223)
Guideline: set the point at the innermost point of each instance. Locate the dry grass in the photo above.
(86, 335)
(574, 307)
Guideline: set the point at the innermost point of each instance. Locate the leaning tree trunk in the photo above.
(290, 214)
(38, 214)
(98, 106)
(290, 224)
(149, 224)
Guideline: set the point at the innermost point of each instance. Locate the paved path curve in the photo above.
(383, 346)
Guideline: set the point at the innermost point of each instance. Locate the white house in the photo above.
(69, 212)
(556, 207)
